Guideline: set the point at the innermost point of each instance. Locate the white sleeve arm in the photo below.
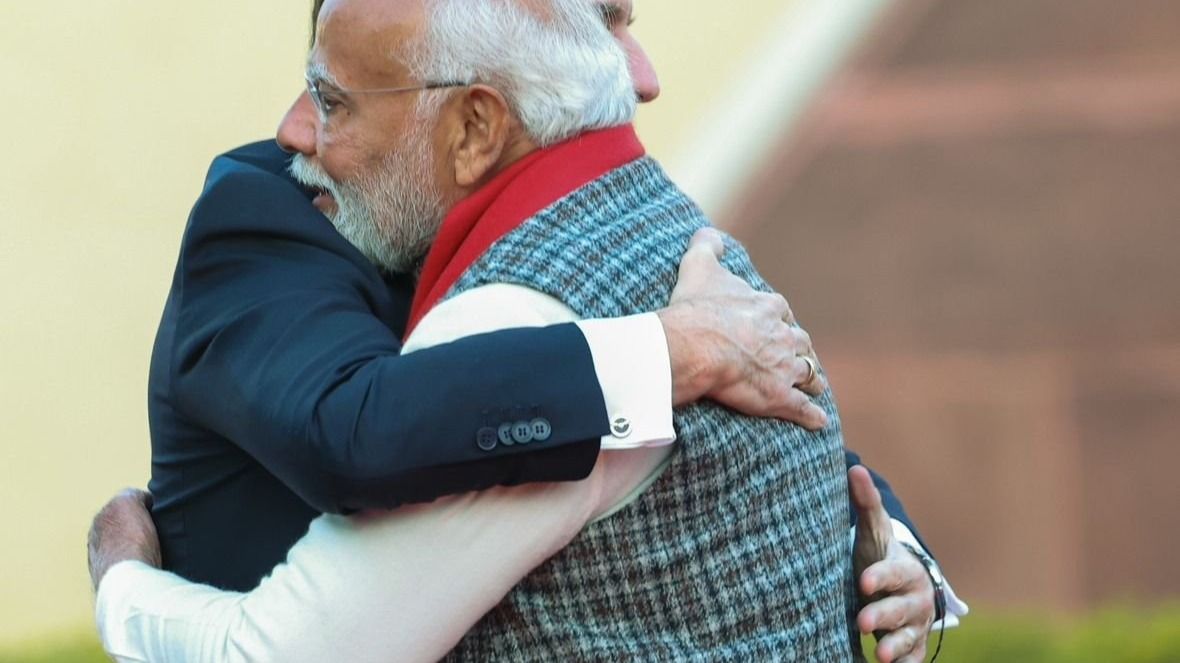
(407, 584)
(146, 615)
(631, 359)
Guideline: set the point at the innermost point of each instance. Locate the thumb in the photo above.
(708, 239)
(703, 254)
(871, 517)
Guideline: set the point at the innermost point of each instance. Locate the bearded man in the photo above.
(410, 200)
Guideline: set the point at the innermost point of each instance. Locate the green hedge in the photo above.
(1111, 636)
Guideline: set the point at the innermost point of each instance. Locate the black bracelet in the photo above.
(928, 563)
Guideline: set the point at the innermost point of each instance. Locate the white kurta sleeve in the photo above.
(148, 615)
(406, 584)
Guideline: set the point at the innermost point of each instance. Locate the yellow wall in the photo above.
(111, 112)
(699, 48)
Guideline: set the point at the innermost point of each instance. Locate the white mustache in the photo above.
(311, 175)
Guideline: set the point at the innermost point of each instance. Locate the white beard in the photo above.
(390, 213)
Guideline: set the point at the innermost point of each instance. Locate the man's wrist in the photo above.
(691, 372)
(631, 359)
(104, 562)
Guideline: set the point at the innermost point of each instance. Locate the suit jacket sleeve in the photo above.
(890, 500)
(283, 344)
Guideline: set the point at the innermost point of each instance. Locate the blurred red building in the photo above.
(979, 222)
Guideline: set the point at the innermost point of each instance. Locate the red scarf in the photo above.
(513, 196)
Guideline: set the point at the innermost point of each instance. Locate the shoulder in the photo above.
(265, 155)
(249, 196)
(248, 181)
(252, 226)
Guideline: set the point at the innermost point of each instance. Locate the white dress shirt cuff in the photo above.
(631, 358)
(955, 608)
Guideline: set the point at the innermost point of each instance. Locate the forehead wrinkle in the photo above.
(368, 38)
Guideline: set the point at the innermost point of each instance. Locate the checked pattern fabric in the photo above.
(739, 551)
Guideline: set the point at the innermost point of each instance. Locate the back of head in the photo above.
(553, 60)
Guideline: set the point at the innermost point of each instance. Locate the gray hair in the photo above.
(559, 68)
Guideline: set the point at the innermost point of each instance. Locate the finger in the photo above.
(802, 342)
(896, 645)
(867, 499)
(888, 576)
(700, 264)
(133, 498)
(798, 408)
(707, 240)
(782, 308)
(812, 384)
(816, 387)
(917, 656)
(888, 614)
(781, 402)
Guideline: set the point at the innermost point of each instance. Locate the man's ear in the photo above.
(480, 133)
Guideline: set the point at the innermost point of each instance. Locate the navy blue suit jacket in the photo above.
(277, 391)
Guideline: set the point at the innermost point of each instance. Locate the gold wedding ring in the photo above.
(812, 370)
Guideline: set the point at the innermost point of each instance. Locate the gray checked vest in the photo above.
(739, 551)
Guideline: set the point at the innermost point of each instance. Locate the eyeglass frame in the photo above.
(317, 99)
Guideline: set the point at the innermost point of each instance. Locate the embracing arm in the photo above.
(359, 588)
(411, 581)
(356, 588)
(282, 342)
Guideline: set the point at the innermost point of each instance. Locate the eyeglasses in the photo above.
(324, 106)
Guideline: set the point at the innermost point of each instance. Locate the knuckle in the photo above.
(787, 306)
(925, 599)
(804, 336)
(796, 336)
(781, 304)
(903, 640)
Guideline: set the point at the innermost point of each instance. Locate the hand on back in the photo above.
(738, 346)
(123, 530)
